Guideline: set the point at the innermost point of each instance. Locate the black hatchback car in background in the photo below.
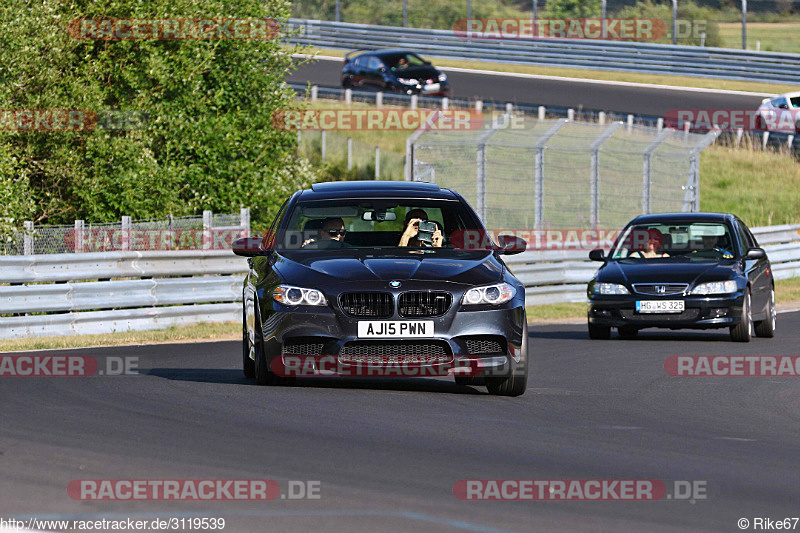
(365, 273)
(683, 270)
(393, 70)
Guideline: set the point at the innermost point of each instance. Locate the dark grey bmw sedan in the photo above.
(354, 278)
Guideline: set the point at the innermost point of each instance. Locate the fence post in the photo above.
(594, 185)
(646, 174)
(208, 218)
(481, 165)
(126, 232)
(348, 96)
(28, 237)
(379, 99)
(244, 221)
(78, 246)
(408, 167)
(323, 145)
(349, 153)
(538, 186)
(377, 162)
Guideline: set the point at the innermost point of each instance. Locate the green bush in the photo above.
(208, 143)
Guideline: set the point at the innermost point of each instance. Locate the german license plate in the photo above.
(660, 306)
(394, 329)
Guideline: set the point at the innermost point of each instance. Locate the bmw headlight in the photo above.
(408, 81)
(715, 287)
(608, 288)
(294, 296)
(442, 76)
(490, 294)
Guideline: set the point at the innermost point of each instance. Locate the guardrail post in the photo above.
(570, 114)
(208, 218)
(78, 246)
(349, 153)
(126, 232)
(509, 108)
(739, 134)
(379, 99)
(314, 92)
(445, 103)
(538, 184)
(348, 96)
(27, 243)
(542, 111)
(479, 106)
(414, 99)
(324, 138)
(601, 117)
(594, 185)
(646, 174)
(660, 124)
(377, 162)
(789, 142)
(630, 122)
(764, 140)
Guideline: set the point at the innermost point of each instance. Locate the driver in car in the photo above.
(711, 244)
(409, 237)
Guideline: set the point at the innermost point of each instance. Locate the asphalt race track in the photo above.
(388, 452)
(588, 95)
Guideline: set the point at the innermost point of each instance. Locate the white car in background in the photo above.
(780, 113)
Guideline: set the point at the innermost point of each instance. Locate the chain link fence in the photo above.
(209, 230)
(539, 174)
(363, 160)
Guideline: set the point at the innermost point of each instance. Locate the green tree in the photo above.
(208, 141)
(576, 9)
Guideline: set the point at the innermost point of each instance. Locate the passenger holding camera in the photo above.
(412, 234)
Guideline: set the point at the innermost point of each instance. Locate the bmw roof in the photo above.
(350, 189)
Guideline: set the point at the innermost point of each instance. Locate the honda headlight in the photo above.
(408, 81)
(609, 288)
(491, 294)
(715, 287)
(294, 296)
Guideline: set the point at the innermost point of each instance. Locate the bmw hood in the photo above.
(465, 267)
(667, 272)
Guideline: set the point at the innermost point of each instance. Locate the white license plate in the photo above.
(431, 88)
(660, 306)
(391, 329)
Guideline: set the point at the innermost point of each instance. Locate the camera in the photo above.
(426, 229)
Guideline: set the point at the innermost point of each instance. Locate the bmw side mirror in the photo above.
(755, 253)
(510, 244)
(248, 247)
(597, 255)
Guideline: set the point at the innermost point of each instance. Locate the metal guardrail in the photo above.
(722, 63)
(46, 298)
(166, 289)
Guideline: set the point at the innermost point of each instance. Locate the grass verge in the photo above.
(193, 333)
(604, 75)
(774, 36)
